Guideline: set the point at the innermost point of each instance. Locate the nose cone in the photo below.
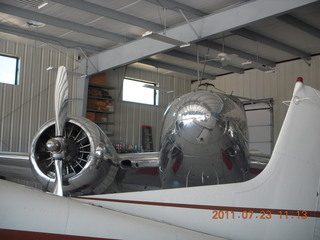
(53, 145)
(194, 135)
(192, 126)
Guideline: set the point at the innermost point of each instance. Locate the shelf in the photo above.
(105, 123)
(101, 87)
(99, 111)
(101, 98)
(100, 104)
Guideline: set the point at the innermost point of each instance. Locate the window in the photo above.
(140, 91)
(9, 70)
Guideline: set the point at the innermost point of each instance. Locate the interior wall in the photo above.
(278, 85)
(25, 107)
(129, 117)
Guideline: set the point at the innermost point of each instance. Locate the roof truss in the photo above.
(234, 18)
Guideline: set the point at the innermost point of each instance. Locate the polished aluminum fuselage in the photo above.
(203, 141)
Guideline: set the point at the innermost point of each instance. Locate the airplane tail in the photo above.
(280, 203)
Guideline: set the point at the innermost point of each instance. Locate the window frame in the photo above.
(17, 69)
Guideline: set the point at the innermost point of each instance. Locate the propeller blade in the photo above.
(58, 190)
(61, 100)
(57, 144)
(56, 147)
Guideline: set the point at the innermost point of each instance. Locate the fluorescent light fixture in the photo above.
(50, 68)
(42, 5)
(163, 38)
(184, 45)
(246, 63)
(259, 66)
(33, 23)
(271, 70)
(147, 33)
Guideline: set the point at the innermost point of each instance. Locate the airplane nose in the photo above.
(199, 131)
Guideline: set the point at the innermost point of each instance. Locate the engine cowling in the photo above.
(90, 162)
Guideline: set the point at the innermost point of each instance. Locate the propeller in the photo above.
(57, 144)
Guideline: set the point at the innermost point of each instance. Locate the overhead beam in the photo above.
(193, 58)
(206, 26)
(110, 13)
(307, 28)
(48, 39)
(241, 54)
(176, 6)
(271, 42)
(24, 13)
(175, 68)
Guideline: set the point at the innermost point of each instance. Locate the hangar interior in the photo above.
(252, 49)
(125, 119)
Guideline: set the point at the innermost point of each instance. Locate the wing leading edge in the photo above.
(16, 165)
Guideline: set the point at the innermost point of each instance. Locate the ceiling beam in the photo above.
(193, 58)
(48, 39)
(175, 68)
(271, 42)
(110, 13)
(241, 54)
(24, 13)
(233, 18)
(300, 25)
(176, 6)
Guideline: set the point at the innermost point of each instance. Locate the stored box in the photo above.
(98, 79)
(101, 117)
(95, 92)
(100, 105)
(91, 116)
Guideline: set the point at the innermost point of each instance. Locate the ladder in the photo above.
(147, 142)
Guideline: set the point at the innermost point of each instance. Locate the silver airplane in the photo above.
(282, 202)
(204, 141)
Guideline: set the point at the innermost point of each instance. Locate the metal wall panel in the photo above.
(129, 117)
(278, 85)
(25, 107)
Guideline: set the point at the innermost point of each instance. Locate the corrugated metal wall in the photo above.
(25, 107)
(129, 117)
(278, 85)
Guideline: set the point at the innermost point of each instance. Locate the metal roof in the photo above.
(250, 34)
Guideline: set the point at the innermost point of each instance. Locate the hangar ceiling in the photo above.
(222, 36)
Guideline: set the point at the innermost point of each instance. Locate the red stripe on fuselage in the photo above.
(206, 207)
(28, 235)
